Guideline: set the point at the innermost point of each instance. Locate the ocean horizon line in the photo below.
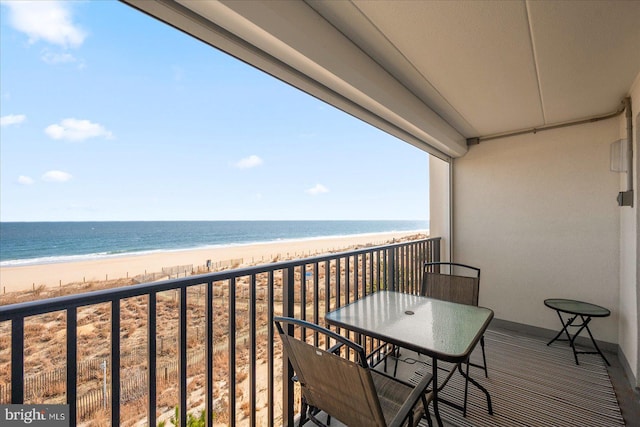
(205, 220)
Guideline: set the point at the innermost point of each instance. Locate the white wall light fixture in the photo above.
(619, 152)
(620, 157)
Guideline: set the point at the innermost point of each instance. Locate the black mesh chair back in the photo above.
(346, 390)
(454, 282)
(451, 282)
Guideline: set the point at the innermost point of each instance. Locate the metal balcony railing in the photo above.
(208, 339)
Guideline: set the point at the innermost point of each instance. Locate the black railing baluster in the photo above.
(338, 287)
(398, 269)
(115, 363)
(404, 269)
(209, 353)
(316, 300)
(182, 356)
(406, 279)
(17, 360)
(372, 280)
(381, 266)
(407, 270)
(252, 352)
(415, 268)
(72, 364)
(399, 279)
(356, 283)
(288, 305)
(327, 292)
(303, 298)
(151, 357)
(347, 277)
(270, 343)
(231, 336)
(388, 270)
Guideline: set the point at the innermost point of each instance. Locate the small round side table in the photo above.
(585, 311)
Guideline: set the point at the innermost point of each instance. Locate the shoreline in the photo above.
(98, 256)
(26, 277)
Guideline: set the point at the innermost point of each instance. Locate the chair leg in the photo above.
(427, 415)
(391, 352)
(396, 352)
(395, 367)
(484, 357)
(303, 412)
(466, 390)
(312, 411)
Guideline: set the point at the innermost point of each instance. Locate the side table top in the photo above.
(576, 307)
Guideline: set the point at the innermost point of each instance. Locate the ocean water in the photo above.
(25, 243)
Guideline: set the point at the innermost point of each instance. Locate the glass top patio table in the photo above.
(441, 329)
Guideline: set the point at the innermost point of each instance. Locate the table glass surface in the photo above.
(446, 330)
(576, 307)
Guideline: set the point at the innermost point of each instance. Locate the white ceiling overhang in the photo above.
(433, 73)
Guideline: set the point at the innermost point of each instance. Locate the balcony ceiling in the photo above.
(433, 73)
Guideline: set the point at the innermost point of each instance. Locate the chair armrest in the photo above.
(336, 348)
(412, 400)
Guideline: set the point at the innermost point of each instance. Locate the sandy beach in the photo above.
(27, 277)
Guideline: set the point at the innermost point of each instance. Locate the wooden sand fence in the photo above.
(133, 386)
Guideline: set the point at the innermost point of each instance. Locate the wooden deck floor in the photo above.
(533, 384)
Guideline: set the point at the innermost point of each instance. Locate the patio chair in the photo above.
(349, 391)
(458, 283)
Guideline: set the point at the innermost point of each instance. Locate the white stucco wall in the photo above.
(538, 214)
(629, 333)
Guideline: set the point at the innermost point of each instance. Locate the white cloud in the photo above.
(56, 176)
(77, 130)
(178, 73)
(317, 189)
(57, 58)
(50, 21)
(249, 162)
(25, 180)
(12, 119)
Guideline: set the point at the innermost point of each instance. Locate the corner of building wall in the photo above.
(440, 204)
(636, 167)
(635, 108)
(633, 369)
(626, 367)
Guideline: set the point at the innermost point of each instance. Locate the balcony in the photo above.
(536, 210)
(205, 343)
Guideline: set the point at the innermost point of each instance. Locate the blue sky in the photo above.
(108, 114)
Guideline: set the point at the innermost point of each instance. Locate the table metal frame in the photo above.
(577, 309)
(438, 329)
